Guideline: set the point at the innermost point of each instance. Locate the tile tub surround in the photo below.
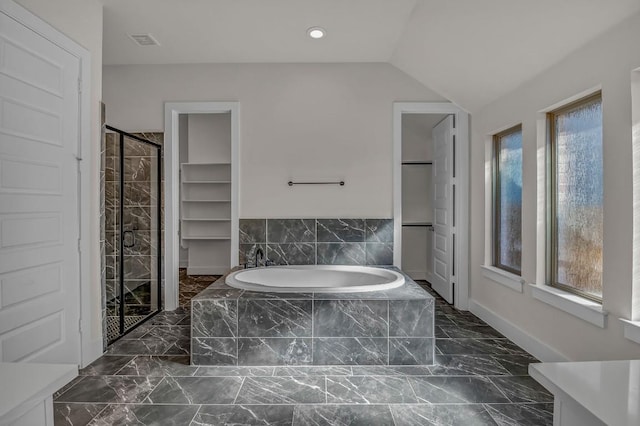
(245, 328)
(365, 395)
(318, 241)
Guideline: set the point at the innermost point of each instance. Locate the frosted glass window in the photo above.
(508, 200)
(576, 214)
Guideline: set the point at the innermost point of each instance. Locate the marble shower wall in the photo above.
(318, 241)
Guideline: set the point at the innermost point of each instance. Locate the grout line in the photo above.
(388, 333)
(134, 358)
(154, 388)
(70, 387)
(99, 412)
(311, 403)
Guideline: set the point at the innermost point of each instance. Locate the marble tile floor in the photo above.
(190, 285)
(480, 378)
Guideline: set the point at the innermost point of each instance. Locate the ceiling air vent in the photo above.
(144, 40)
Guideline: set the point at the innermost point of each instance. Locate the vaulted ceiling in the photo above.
(470, 51)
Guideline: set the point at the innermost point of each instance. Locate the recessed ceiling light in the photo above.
(316, 32)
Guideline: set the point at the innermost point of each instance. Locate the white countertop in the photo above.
(610, 390)
(23, 383)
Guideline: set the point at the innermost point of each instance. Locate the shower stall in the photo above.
(132, 226)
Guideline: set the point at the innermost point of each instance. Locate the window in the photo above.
(575, 221)
(507, 200)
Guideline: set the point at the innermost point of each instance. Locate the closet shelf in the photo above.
(206, 201)
(204, 237)
(205, 181)
(189, 219)
(416, 163)
(424, 224)
(206, 212)
(205, 164)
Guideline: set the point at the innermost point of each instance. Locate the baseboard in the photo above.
(531, 344)
(416, 275)
(207, 270)
(183, 264)
(429, 277)
(92, 351)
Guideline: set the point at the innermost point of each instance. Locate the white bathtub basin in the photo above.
(315, 278)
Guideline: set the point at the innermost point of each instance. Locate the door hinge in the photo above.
(453, 294)
(453, 155)
(79, 85)
(80, 325)
(79, 245)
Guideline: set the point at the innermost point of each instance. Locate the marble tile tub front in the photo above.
(246, 328)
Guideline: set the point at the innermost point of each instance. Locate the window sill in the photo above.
(507, 279)
(575, 305)
(631, 330)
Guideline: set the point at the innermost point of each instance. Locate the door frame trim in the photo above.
(461, 290)
(90, 345)
(172, 111)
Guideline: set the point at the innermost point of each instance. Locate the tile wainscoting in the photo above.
(318, 241)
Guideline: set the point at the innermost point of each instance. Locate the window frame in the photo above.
(496, 198)
(551, 249)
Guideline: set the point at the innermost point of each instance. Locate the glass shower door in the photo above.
(133, 224)
(140, 214)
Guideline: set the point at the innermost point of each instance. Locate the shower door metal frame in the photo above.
(121, 135)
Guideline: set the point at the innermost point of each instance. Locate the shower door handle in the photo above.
(129, 239)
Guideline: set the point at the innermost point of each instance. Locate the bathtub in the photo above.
(315, 278)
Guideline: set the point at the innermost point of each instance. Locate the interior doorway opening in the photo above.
(417, 194)
(430, 169)
(174, 126)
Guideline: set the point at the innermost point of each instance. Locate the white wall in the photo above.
(81, 20)
(209, 136)
(607, 61)
(297, 121)
(417, 140)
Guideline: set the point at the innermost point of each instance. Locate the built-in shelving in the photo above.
(205, 237)
(195, 219)
(417, 216)
(206, 202)
(208, 157)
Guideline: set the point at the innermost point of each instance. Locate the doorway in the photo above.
(173, 130)
(430, 171)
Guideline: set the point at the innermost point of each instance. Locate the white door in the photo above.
(39, 223)
(443, 235)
